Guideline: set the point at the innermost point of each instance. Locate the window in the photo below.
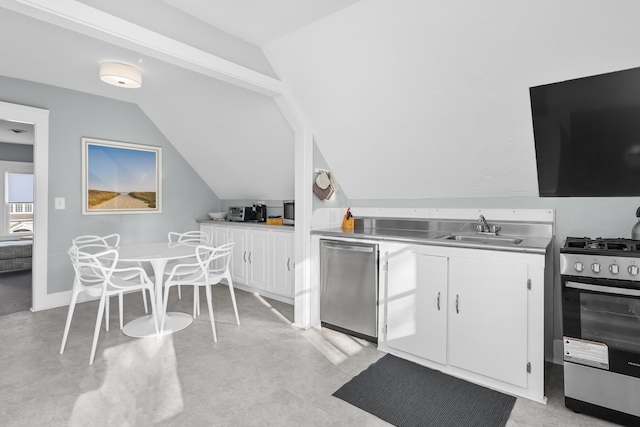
(20, 199)
(16, 192)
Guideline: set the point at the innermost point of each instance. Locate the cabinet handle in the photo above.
(438, 301)
(288, 264)
(249, 257)
(457, 304)
(244, 256)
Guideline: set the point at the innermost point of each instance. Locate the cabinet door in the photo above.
(208, 229)
(488, 318)
(258, 259)
(239, 256)
(281, 282)
(416, 303)
(219, 236)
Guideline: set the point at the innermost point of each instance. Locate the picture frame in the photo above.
(120, 178)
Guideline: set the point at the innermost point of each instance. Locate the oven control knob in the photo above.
(614, 269)
(595, 267)
(578, 266)
(633, 270)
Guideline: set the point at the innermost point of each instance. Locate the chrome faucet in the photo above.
(483, 227)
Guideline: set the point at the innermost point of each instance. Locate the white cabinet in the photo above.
(281, 251)
(475, 314)
(488, 320)
(262, 259)
(258, 259)
(416, 302)
(238, 264)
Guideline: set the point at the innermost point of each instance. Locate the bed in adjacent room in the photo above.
(15, 255)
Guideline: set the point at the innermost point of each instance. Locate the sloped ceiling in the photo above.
(232, 137)
(423, 99)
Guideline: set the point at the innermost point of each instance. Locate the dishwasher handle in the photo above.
(348, 247)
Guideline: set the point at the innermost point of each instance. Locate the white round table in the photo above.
(157, 254)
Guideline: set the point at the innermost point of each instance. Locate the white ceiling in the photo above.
(7, 133)
(258, 21)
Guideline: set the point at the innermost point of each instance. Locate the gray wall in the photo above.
(16, 152)
(74, 115)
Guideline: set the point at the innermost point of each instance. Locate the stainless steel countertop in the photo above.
(529, 244)
(251, 224)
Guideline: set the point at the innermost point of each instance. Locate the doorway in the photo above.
(39, 119)
(16, 218)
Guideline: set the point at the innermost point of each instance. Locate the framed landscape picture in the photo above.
(120, 178)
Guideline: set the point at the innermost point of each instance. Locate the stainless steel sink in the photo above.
(487, 240)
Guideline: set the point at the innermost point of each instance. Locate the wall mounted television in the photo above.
(587, 136)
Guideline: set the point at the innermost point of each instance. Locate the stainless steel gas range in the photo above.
(601, 327)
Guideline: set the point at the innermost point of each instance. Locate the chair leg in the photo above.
(144, 299)
(179, 293)
(196, 301)
(106, 314)
(72, 306)
(120, 304)
(96, 332)
(213, 325)
(233, 298)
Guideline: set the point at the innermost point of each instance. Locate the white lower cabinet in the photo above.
(470, 313)
(258, 259)
(238, 264)
(281, 252)
(488, 320)
(262, 257)
(416, 303)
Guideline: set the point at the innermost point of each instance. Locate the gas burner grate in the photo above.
(602, 244)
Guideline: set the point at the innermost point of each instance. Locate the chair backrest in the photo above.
(110, 241)
(204, 255)
(220, 263)
(93, 268)
(189, 236)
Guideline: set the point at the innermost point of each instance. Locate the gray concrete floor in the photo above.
(262, 373)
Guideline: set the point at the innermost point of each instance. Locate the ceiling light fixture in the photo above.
(121, 75)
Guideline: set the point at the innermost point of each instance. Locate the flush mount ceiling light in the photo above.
(121, 75)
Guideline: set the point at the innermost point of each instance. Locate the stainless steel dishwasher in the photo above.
(349, 287)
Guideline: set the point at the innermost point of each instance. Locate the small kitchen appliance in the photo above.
(289, 209)
(239, 213)
(600, 280)
(259, 212)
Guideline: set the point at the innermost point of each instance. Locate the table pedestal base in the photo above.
(143, 327)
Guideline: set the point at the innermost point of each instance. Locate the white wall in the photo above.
(419, 99)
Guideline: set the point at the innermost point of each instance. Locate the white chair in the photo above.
(189, 236)
(218, 271)
(93, 243)
(193, 274)
(96, 275)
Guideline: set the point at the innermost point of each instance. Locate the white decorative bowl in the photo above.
(217, 215)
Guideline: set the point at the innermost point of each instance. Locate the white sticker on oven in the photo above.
(585, 352)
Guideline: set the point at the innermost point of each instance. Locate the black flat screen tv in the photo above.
(587, 136)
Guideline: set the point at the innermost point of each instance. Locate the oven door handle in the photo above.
(603, 289)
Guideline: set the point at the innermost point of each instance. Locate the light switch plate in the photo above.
(59, 201)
